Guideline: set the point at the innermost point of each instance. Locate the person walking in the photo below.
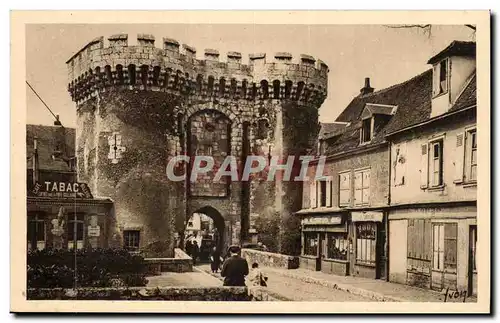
(235, 268)
(215, 260)
(195, 251)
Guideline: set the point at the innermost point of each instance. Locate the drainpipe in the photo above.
(387, 260)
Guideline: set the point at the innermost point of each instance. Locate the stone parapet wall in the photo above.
(227, 294)
(176, 69)
(180, 264)
(269, 259)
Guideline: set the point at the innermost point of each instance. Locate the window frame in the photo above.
(126, 245)
(363, 130)
(306, 248)
(343, 242)
(360, 242)
(469, 150)
(37, 219)
(442, 239)
(431, 158)
(75, 219)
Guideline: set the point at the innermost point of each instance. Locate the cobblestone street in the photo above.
(298, 290)
(190, 279)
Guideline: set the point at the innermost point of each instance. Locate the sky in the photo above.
(386, 55)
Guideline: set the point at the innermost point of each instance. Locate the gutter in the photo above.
(351, 152)
(444, 116)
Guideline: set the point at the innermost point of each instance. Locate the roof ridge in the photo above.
(394, 85)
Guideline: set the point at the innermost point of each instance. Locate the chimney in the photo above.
(35, 161)
(367, 89)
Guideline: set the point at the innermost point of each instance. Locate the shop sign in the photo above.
(94, 231)
(367, 216)
(324, 220)
(61, 190)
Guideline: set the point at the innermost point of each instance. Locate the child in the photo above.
(256, 278)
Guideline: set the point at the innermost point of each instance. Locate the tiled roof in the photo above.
(413, 101)
(46, 144)
(456, 48)
(468, 97)
(329, 130)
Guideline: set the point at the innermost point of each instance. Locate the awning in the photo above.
(368, 216)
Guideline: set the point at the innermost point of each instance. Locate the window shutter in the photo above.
(435, 80)
(313, 194)
(329, 192)
(424, 166)
(459, 158)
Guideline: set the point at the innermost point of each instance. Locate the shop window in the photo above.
(76, 224)
(362, 187)
(310, 244)
(419, 238)
(444, 255)
(366, 243)
(345, 189)
(338, 246)
(131, 239)
(36, 232)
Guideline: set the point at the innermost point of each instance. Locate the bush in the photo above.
(95, 268)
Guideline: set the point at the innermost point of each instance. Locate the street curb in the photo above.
(343, 287)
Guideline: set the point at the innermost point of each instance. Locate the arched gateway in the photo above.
(134, 114)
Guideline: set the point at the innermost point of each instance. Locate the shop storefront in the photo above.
(370, 244)
(325, 243)
(65, 215)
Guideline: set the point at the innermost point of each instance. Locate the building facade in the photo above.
(433, 212)
(61, 212)
(382, 199)
(140, 106)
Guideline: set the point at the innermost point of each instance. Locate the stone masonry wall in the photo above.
(147, 96)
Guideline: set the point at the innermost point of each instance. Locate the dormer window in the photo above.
(440, 75)
(366, 130)
(373, 118)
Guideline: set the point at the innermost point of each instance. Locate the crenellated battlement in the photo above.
(175, 68)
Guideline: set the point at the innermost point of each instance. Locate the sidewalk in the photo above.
(293, 289)
(370, 288)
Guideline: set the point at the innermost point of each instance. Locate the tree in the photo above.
(426, 28)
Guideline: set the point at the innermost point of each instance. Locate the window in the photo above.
(75, 228)
(338, 246)
(366, 130)
(473, 247)
(345, 189)
(322, 193)
(362, 187)
(190, 224)
(436, 163)
(440, 75)
(36, 232)
(419, 238)
(365, 243)
(444, 252)
(131, 239)
(471, 156)
(310, 244)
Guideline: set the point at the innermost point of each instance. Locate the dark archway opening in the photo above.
(205, 226)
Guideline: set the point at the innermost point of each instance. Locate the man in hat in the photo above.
(235, 268)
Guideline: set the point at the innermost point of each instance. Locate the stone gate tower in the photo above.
(138, 106)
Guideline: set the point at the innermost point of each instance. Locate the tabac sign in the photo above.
(61, 190)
